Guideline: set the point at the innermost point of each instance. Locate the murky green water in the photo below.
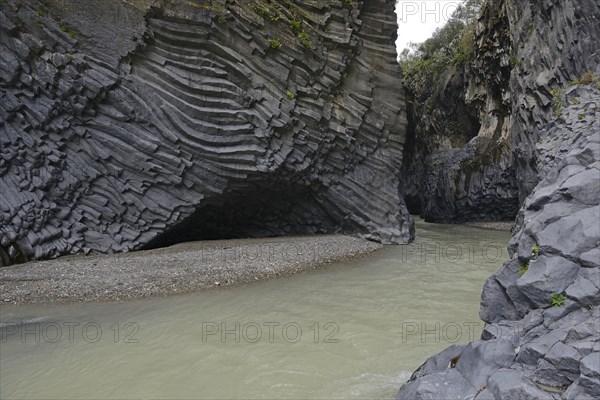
(352, 330)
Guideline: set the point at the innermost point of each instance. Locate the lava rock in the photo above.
(176, 123)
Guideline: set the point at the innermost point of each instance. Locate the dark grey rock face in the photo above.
(554, 49)
(135, 124)
(458, 163)
(542, 338)
(544, 303)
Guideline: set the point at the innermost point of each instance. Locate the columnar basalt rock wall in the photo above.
(460, 167)
(554, 48)
(131, 124)
(542, 336)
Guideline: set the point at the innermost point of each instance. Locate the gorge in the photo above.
(131, 125)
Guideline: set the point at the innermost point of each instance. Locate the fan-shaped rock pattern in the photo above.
(138, 124)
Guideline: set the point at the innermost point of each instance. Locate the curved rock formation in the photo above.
(136, 124)
(542, 338)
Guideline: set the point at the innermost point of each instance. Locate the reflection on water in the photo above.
(352, 330)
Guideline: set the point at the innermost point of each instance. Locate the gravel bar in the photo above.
(182, 268)
(495, 226)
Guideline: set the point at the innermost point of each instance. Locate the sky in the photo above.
(418, 19)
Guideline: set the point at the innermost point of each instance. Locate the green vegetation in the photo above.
(267, 12)
(557, 300)
(524, 269)
(535, 250)
(557, 101)
(305, 40)
(581, 117)
(218, 9)
(70, 57)
(296, 26)
(575, 102)
(275, 43)
(453, 44)
(290, 95)
(274, 12)
(68, 30)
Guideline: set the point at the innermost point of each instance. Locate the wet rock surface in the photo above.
(543, 305)
(183, 120)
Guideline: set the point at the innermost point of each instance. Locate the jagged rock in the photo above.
(440, 362)
(179, 121)
(545, 300)
(450, 384)
(546, 276)
(479, 360)
(495, 304)
(590, 374)
(509, 384)
(584, 291)
(458, 165)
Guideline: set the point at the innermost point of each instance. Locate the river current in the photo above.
(350, 330)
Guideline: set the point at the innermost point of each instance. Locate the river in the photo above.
(349, 330)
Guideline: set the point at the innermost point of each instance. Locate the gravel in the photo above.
(496, 226)
(182, 268)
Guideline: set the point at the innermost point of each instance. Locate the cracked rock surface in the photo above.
(542, 308)
(137, 124)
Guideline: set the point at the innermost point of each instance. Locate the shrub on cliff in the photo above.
(452, 44)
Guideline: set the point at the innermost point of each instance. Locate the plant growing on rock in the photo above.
(453, 44)
(588, 78)
(535, 250)
(218, 9)
(266, 12)
(69, 31)
(296, 26)
(290, 95)
(557, 300)
(305, 40)
(275, 43)
(557, 101)
(524, 269)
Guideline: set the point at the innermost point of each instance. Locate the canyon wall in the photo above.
(458, 162)
(136, 124)
(542, 308)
